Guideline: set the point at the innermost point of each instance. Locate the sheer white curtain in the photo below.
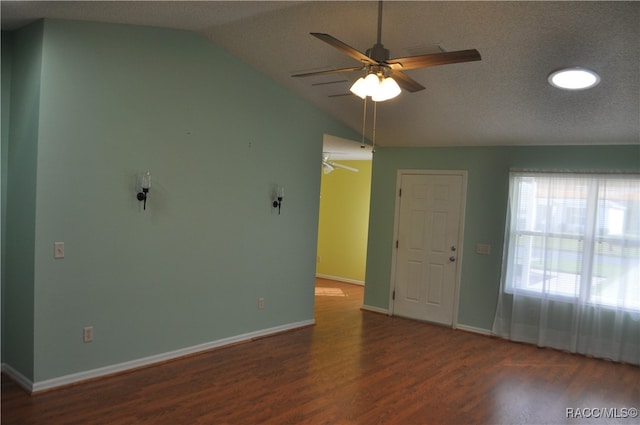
(571, 267)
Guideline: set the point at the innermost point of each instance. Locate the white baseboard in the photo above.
(19, 378)
(473, 329)
(34, 387)
(340, 279)
(374, 309)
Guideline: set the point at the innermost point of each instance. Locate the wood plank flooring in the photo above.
(352, 367)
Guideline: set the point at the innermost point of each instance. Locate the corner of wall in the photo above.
(19, 169)
(5, 92)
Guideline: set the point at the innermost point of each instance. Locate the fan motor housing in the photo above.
(378, 53)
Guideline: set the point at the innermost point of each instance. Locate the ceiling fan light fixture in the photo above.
(359, 88)
(388, 89)
(376, 86)
(574, 78)
(326, 168)
(371, 83)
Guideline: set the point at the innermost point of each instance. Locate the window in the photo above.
(575, 237)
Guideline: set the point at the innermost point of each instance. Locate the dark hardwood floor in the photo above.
(352, 367)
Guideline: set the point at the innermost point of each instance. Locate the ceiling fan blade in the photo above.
(329, 71)
(423, 61)
(344, 48)
(346, 167)
(405, 82)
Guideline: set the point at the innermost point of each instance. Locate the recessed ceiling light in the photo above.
(574, 78)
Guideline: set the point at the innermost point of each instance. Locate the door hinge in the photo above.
(400, 192)
(397, 242)
(393, 296)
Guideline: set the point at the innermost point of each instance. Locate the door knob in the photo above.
(453, 248)
(452, 258)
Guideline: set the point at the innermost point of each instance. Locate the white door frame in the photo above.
(396, 229)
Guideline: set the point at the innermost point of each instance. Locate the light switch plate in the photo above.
(484, 249)
(58, 250)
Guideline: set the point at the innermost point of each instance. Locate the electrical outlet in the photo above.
(87, 334)
(260, 303)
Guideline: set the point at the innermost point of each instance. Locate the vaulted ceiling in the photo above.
(504, 99)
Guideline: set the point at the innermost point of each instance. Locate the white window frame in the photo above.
(588, 238)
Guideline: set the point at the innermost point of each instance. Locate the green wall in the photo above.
(487, 191)
(344, 222)
(116, 101)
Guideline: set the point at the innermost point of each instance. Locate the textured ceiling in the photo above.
(502, 100)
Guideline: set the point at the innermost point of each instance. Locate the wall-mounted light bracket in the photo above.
(144, 189)
(278, 197)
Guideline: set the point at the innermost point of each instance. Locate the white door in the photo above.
(429, 214)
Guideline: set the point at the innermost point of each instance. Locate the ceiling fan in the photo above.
(329, 166)
(376, 61)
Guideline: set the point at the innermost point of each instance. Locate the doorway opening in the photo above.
(344, 210)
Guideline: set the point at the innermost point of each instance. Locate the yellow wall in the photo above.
(344, 222)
